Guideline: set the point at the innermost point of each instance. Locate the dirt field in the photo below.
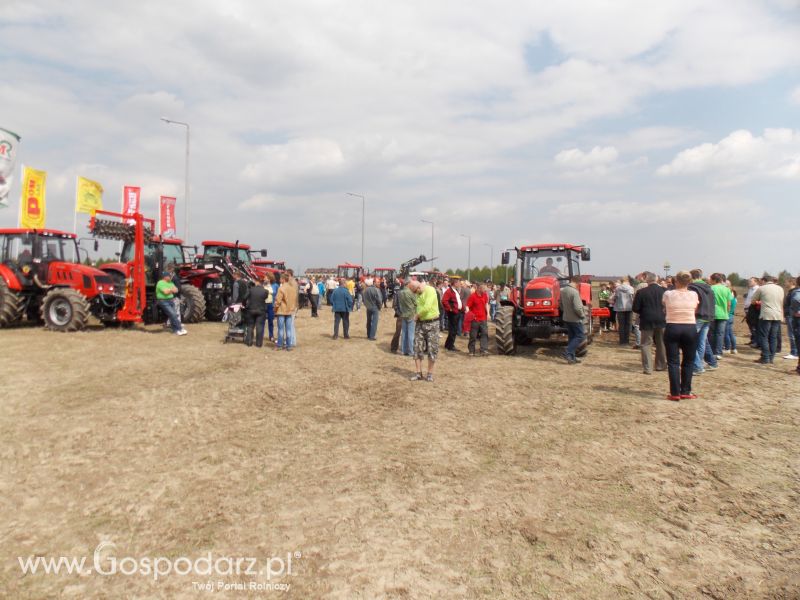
(509, 477)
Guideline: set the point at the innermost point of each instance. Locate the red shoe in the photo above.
(688, 396)
(674, 398)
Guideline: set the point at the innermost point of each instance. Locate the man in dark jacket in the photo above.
(454, 307)
(573, 314)
(652, 321)
(373, 301)
(255, 314)
(705, 314)
(342, 305)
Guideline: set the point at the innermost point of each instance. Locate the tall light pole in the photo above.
(491, 261)
(432, 255)
(469, 255)
(667, 267)
(186, 183)
(363, 212)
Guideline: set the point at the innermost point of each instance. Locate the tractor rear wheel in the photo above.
(215, 308)
(65, 309)
(193, 304)
(504, 330)
(10, 305)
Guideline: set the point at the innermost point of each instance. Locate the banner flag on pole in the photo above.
(8, 154)
(32, 204)
(130, 201)
(168, 230)
(88, 196)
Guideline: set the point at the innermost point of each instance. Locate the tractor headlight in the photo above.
(546, 303)
(529, 303)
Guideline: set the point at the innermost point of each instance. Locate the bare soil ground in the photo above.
(509, 477)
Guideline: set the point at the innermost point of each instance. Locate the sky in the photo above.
(650, 132)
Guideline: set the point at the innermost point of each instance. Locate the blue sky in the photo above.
(649, 132)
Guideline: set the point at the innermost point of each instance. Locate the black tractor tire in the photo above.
(10, 306)
(215, 308)
(65, 309)
(504, 330)
(193, 304)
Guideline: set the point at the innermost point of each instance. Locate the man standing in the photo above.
(794, 308)
(165, 294)
(313, 297)
(572, 311)
(769, 319)
(478, 305)
(790, 319)
(407, 303)
(342, 305)
(751, 316)
(648, 304)
(285, 308)
(705, 314)
(426, 334)
(722, 308)
(623, 303)
(373, 300)
(255, 315)
(330, 285)
(465, 290)
(453, 307)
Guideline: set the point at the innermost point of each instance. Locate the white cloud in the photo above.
(741, 156)
(597, 160)
(795, 95)
(300, 158)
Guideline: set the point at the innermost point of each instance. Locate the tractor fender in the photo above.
(507, 303)
(10, 278)
(120, 268)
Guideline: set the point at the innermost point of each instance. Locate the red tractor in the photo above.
(532, 310)
(41, 278)
(350, 271)
(389, 276)
(262, 266)
(226, 260)
(160, 254)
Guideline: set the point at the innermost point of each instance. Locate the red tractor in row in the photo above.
(350, 271)
(262, 266)
(532, 310)
(228, 260)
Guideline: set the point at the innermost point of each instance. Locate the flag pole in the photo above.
(75, 216)
(21, 194)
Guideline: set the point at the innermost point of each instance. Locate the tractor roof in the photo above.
(53, 232)
(176, 241)
(385, 269)
(535, 247)
(226, 244)
(349, 265)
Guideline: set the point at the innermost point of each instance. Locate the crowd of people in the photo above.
(682, 324)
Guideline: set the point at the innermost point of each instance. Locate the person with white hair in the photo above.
(426, 331)
(373, 301)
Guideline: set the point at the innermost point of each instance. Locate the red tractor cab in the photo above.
(226, 259)
(532, 310)
(350, 271)
(262, 266)
(41, 278)
(388, 275)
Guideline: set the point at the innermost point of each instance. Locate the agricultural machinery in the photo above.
(262, 266)
(389, 276)
(41, 278)
(532, 310)
(160, 255)
(350, 271)
(226, 260)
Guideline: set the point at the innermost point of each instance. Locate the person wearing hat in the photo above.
(165, 295)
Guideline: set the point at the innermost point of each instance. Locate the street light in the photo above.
(469, 255)
(491, 261)
(363, 212)
(667, 267)
(186, 183)
(432, 255)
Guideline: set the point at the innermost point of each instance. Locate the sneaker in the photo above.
(484, 353)
(416, 377)
(429, 377)
(698, 371)
(761, 361)
(734, 351)
(573, 361)
(472, 354)
(718, 356)
(712, 367)
(790, 357)
(181, 332)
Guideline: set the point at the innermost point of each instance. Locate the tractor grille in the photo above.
(538, 293)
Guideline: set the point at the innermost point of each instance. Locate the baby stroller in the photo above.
(234, 318)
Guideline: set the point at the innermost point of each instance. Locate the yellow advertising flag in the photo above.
(32, 212)
(89, 196)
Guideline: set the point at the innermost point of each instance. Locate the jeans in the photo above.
(407, 337)
(796, 324)
(790, 333)
(168, 306)
(624, 325)
(313, 300)
(649, 337)
(357, 301)
(718, 327)
(681, 339)
(492, 310)
(478, 328)
(730, 336)
(344, 317)
(703, 348)
(372, 322)
(768, 332)
(285, 331)
(575, 336)
(254, 322)
(452, 330)
(270, 320)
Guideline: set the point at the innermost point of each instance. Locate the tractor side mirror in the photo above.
(586, 254)
(96, 245)
(505, 258)
(263, 253)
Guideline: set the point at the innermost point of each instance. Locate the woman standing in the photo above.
(680, 336)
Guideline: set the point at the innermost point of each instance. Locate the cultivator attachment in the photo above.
(115, 230)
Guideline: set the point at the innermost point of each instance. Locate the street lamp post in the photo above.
(667, 267)
(363, 212)
(491, 261)
(469, 255)
(432, 255)
(186, 183)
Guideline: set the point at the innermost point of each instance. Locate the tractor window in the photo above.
(19, 248)
(575, 263)
(545, 263)
(243, 255)
(52, 248)
(173, 254)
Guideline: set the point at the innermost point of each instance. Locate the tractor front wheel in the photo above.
(65, 309)
(504, 330)
(10, 305)
(193, 304)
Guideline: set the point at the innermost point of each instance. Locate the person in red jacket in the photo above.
(453, 306)
(478, 306)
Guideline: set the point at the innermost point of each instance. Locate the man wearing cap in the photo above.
(165, 295)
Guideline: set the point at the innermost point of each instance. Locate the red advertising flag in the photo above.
(168, 217)
(130, 201)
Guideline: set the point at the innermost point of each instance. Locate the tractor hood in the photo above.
(541, 296)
